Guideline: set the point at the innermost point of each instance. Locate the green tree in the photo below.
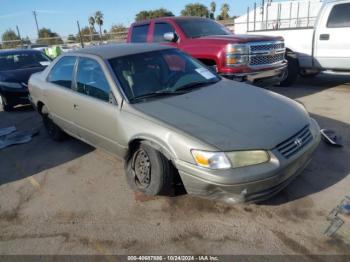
(46, 36)
(225, 8)
(91, 26)
(85, 33)
(99, 21)
(117, 31)
(195, 9)
(10, 35)
(212, 9)
(145, 15)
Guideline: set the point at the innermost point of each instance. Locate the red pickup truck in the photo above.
(256, 59)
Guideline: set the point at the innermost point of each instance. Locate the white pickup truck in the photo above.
(314, 44)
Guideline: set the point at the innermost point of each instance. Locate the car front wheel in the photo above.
(148, 171)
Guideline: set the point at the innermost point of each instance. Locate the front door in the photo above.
(96, 113)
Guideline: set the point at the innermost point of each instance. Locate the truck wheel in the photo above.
(5, 105)
(52, 129)
(148, 171)
(293, 70)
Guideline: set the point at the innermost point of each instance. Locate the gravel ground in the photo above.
(69, 198)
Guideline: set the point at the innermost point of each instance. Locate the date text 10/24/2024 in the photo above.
(173, 258)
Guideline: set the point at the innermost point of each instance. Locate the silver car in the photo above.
(171, 119)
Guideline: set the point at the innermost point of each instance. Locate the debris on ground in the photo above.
(7, 130)
(9, 136)
(331, 138)
(338, 216)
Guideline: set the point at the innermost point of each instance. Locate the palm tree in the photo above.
(225, 8)
(92, 26)
(99, 21)
(213, 7)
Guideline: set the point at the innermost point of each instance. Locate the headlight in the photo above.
(248, 158)
(212, 160)
(237, 55)
(11, 84)
(237, 49)
(221, 160)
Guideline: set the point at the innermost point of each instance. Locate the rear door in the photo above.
(96, 113)
(139, 33)
(332, 50)
(59, 93)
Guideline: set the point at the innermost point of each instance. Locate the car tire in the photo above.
(5, 105)
(53, 130)
(293, 70)
(148, 171)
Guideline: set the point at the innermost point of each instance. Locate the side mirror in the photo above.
(171, 37)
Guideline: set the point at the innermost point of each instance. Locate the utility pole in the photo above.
(36, 22)
(19, 36)
(81, 37)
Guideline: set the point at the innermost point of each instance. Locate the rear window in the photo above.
(139, 33)
(339, 16)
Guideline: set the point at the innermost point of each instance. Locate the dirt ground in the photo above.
(69, 198)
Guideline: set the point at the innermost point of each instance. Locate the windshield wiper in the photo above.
(159, 93)
(195, 85)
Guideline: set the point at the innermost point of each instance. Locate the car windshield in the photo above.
(18, 60)
(194, 28)
(160, 73)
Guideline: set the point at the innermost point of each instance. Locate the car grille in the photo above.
(266, 47)
(294, 144)
(266, 53)
(266, 59)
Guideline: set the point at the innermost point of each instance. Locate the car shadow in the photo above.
(329, 166)
(308, 86)
(40, 154)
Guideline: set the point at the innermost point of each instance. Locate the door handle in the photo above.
(75, 106)
(324, 36)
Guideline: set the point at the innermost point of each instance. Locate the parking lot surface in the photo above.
(69, 198)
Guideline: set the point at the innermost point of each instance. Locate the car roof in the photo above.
(175, 18)
(18, 51)
(117, 50)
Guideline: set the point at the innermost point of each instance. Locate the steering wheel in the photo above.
(173, 78)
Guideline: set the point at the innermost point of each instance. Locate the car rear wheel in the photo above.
(5, 104)
(54, 131)
(148, 171)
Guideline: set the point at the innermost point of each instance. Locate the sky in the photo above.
(61, 15)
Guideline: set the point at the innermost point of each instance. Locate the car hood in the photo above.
(241, 38)
(19, 75)
(230, 115)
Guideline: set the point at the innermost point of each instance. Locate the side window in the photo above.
(139, 33)
(339, 16)
(62, 72)
(160, 29)
(91, 80)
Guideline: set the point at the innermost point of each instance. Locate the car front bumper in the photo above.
(248, 184)
(262, 77)
(15, 96)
